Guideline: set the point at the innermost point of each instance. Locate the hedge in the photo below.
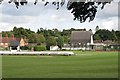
(39, 48)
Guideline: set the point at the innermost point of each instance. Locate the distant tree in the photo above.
(66, 32)
(56, 32)
(117, 33)
(38, 31)
(40, 39)
(81, 9)
(50, 41)
(114, 34)
(21, 32)
(46, 33)
(66, 39)
(8, 33)
(97, 28)
(104, 34)
(60, 41)
(97, 37)
(36, 38)
(32, 38)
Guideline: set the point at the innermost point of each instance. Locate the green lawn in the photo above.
(82, 65)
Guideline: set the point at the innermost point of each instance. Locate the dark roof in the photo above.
(14, 43)
(81, 36)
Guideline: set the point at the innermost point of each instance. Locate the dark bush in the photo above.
(39, 48)
(25, 48)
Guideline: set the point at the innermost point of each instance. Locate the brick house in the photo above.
(11, 41)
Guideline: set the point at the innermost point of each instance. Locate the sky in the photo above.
(47, 17)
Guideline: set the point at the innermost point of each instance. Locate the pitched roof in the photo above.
(14, 43)
(7, 40)
(81, 36)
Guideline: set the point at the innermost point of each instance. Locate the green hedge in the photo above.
(39, 48)
(25, 47)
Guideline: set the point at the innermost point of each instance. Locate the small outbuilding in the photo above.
(14, 45)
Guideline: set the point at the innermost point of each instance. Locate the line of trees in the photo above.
(54, 37)
(104, 35)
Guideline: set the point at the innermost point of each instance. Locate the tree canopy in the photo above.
(81, 9)
(58, 38)
(104, 34)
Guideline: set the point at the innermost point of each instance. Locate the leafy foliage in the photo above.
(84, 10)
(25, 47)
(36, 38)
(60, 41)
(55, 37)
(104, 35)
(81, 9)
(50, 41)
(40, 48)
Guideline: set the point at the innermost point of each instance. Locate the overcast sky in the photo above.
(34, 17)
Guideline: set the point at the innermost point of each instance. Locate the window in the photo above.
(6, 43)
(1, 43)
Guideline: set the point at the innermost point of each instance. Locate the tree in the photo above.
(66, 39)
(60, 42)
(40, 39)
(46, 33)
(81, 9)
(117, 33)
(36, 38)
(20, 32)
(104, 34)
(50, 41)
(6, 33)
(97, 28)
(32, 38)
(97, 37)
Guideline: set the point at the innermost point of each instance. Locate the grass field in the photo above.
(82, 65)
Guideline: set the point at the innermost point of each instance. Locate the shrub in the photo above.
(25, 48)
(40, 48)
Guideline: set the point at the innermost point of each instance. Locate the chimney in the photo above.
(6, 35)
(12, 36)
(7, 39)
(91, 41)
(0, 37)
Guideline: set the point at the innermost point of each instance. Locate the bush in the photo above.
(40, 48)
(25, 48)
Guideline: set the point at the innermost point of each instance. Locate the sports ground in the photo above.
(81, 65)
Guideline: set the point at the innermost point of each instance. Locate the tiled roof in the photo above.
(7, 40)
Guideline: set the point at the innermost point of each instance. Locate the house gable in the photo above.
(8, 41)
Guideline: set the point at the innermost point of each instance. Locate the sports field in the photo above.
(82, 65)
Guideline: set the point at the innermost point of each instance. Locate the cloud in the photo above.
(110, 10)
(4, 27)
(111, 23)
(34, 17)
(17, 20)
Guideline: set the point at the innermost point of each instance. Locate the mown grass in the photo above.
(82, 65)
